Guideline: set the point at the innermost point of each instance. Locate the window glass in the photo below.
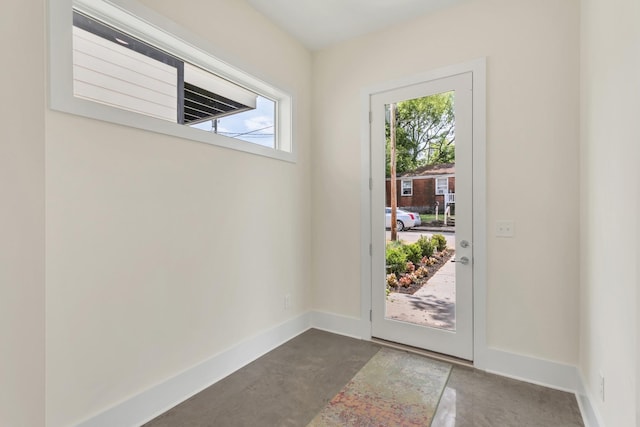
(113, 68)
(442, 185)
(124, 67)
(257, 126)
(407, 188)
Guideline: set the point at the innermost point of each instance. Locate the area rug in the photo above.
(394, 388)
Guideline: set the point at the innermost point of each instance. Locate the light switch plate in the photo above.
(505, 228)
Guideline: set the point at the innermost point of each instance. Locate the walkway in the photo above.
(432, 305)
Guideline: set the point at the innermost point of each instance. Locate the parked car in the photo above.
(416, 218)
(405, 220)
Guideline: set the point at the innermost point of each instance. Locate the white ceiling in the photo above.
(320, 23)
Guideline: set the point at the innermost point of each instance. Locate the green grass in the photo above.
(432, 217)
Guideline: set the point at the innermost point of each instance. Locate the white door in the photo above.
(439, 316)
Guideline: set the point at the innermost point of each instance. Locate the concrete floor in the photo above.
(286, 387)
(474, 398)
(291, 384)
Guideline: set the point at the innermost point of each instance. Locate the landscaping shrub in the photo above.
(421, 272)
(396, 259)
(405, 281)
(392, 280)
(426, 246)
(414, 252)
(395, 244)
(439, 242)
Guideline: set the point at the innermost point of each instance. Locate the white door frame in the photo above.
(457, 341)
(478, 69)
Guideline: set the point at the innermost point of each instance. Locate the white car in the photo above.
(405, 220)
(416, 217)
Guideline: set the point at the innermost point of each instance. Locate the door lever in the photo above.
(463, 260)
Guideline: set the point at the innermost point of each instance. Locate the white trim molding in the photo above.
(533, 370)
(402, 181)
(169, 393)
(530, 369)
(337, 324)
(588, 410)
(478, 69)
(148, 26)
(158, 399)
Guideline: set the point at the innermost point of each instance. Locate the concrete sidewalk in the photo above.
(432, 305)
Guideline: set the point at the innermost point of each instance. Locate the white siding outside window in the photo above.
(114, 75)
(215, 84)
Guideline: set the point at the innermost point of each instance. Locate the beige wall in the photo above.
(609, 206)
(22, 215)
(143, 232)
(163, 252)
(532, 50)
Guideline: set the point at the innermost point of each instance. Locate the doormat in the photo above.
(394, 388)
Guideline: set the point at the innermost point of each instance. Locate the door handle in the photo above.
(463, 260)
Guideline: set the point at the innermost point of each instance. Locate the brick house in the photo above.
(421, 189)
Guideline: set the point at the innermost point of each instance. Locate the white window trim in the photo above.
(410, 181)
(151, 27)
(436, 185)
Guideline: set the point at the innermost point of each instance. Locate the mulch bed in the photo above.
(415, 286)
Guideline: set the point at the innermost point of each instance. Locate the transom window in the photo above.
(159, 82)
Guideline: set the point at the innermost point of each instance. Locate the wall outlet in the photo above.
(601, 386)
(505, 228)
(287, 301)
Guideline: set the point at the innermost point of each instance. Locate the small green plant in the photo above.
(439, 242)
(396, 260)
(395, 244)
(414, 252)
(426, 246)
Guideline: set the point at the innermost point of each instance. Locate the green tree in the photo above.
(425, 132)
(404, 159)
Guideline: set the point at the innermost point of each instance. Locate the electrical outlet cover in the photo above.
(505, 228)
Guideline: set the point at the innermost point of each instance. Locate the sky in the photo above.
(255, 126)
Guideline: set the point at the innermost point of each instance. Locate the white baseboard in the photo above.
(588, 410)
(158, 399)
(337, 324)
(542, 372)
(533, 370)
(525, 368)
(546, 373)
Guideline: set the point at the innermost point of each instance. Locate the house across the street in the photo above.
(422, 189)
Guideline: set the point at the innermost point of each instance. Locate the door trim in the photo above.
(478, 69)
(457, 341)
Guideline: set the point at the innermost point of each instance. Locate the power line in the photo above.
(234, 134)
